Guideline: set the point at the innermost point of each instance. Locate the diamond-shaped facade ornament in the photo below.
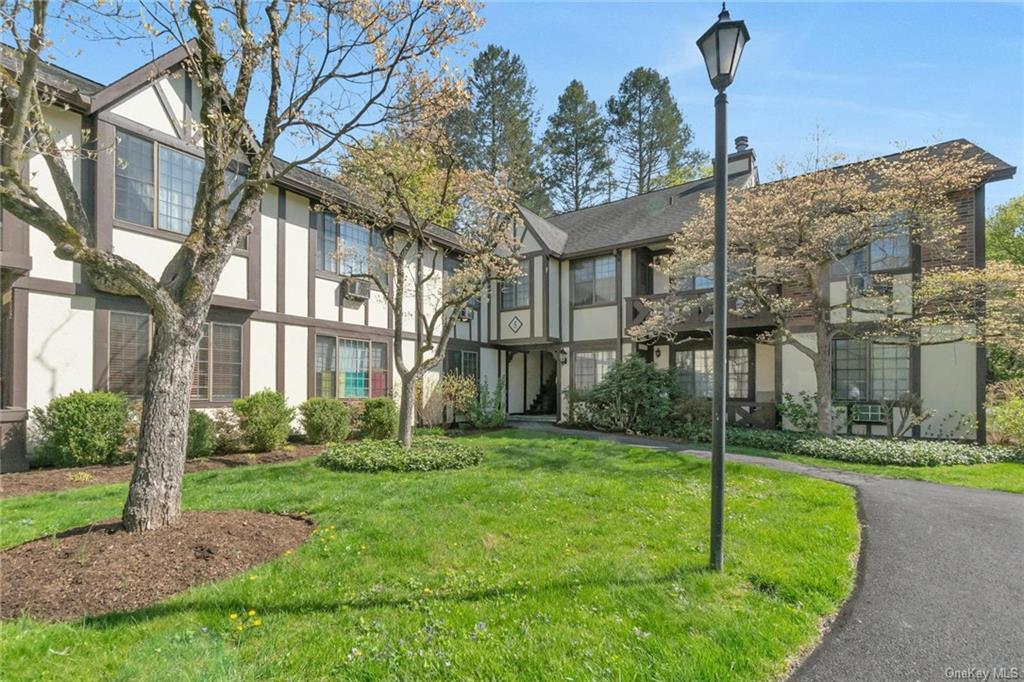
(515, 324)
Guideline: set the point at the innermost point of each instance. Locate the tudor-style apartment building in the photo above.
(285, 315)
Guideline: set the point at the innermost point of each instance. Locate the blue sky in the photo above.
(870, 75)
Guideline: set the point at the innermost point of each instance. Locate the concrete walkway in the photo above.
(940, 590)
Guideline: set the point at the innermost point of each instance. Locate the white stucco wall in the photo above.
(263, 355)
(948, 375)
(144, 107)
(268, 251)
(67, 132)
(60, 332)
(594, 323)
(326, 292)
(296, 344)
(764, 372)
(296, 254)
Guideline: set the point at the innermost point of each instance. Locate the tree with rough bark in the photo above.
(318, 74)
(576, 150)
(422, 208)
(655, 144)
(816, 254)
(495, 130)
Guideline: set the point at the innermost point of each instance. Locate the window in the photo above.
(217, 372)
(590, 367)
(593, 281)
(345, 248)
(129, 353)
(887, 253)
(133, 180)
(465, 362)
(644, 269)
(516, 293)
(349, 368)
(696, 372)
(702, 281)
(869, 371)
(156, 186)
(179, 183)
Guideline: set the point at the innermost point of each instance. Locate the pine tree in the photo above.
(496, 129)
(653, 140)
(576, 150)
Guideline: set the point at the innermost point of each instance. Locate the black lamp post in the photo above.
(721, 45)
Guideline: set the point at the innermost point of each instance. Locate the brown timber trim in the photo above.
(279, 358)
(152, 134)
(140, 77)
(620, 321)
(106, 153)
(312, 235)
(188, 137)
(335, 327)
(100, 349)
(981, 355)
(311, 363)
(546, 303)
(533, 301)
(282, 203)
(254, 264)
(246, 358)
(15, 230)
(169, 110)
(19, 348)
(778, 377)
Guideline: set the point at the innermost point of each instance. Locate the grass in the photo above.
(556, 558)
(1005, 476)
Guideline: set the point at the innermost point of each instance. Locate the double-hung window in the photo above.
(350, 368)
(464, 362)
(216, 374)
(888, 253)
(516, 293)
(696, 372)
(593, 281)
(129, 353)
(869, 371)
(590, 367)
(701, 281)
(345, 248)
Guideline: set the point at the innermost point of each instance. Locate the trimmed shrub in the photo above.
(325, 420)
(264, 419)
(202, 435)
(911, 452)
(226, 432)
(81, 428)
(634, 396)
(426, 454)
(379, 420)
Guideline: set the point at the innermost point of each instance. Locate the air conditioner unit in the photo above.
(355, 289)
(467, 315)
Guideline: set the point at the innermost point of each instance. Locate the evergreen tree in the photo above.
(653, 140)
(576, 151)
(496, 129)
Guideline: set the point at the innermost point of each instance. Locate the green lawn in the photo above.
(557, 558)
(1006, 476)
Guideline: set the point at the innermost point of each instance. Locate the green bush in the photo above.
(81, 428)
(635, 396)
(325, 420)
(264, 419)
(426, 454)
(202, 435)
(226, 432)
(488, 411)
(1006, 419)
(379, 420)
(910, 452)
(800, 413)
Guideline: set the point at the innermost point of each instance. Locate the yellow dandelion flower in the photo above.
(287, 552)
(256, 623)
(252, 577)
(239, 628)
(426, 590)
(233, 616)
(250, 613)
(359, 652)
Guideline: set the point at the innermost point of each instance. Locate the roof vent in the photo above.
(742, 143)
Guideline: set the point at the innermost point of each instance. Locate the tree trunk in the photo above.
(407, 411)
(154, 498)
(823, 381)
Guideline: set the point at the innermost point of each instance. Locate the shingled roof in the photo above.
(656, 215)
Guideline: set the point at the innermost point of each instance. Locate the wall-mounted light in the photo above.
(563, 356)
(657, 352)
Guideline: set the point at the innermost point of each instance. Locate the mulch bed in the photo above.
(102, 569)
(52, 480)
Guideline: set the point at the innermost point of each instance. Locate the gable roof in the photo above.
(70, 88)
(656, 215)
(550, 236)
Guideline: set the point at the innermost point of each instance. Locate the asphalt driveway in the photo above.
(940, 593)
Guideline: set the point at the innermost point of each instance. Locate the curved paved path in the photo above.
(940, 585)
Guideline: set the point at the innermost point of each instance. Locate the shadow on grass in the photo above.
(301, 605)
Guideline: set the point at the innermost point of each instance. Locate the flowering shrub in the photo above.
(911, 452)
(426, 454)
(488, 412)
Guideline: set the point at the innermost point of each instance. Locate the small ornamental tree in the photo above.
(316, 73)
(417, 201)
(787, 238)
